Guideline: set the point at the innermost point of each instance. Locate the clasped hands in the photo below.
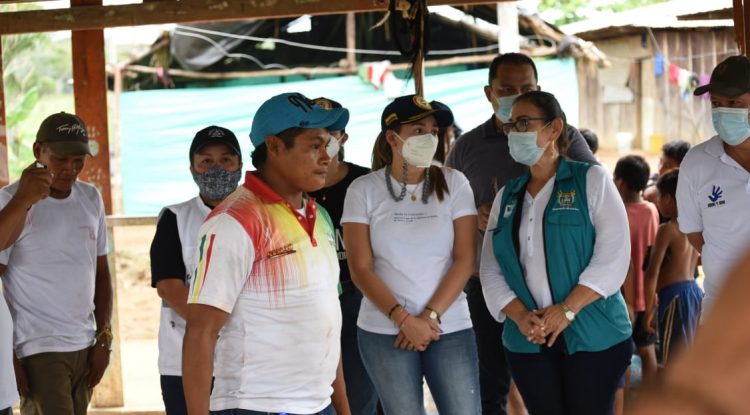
(417, 332)
(543, 326)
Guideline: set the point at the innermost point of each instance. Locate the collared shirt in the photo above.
(274, 269)
(713, 197)
(607, 267)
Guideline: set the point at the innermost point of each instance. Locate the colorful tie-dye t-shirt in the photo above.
(274, 269)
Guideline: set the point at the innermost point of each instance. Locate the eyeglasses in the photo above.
(521, 125)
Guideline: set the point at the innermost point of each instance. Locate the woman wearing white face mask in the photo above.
(554, 256)
(409, 230)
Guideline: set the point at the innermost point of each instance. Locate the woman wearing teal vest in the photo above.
(554, 257)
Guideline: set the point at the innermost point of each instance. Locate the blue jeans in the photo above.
(328, 411)
(359, 388)
(494, 375)
(449, 366)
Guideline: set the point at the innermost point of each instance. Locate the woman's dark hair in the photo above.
(676, 150)
(260, 154)
(547, 104)
(667, 183)
(382, 155)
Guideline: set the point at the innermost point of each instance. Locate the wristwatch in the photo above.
(434, 315)
(569, 314)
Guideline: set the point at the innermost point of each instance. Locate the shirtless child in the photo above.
(670, 276)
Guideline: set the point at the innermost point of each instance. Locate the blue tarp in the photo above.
(157, 126)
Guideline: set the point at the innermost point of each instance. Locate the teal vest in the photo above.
(569, 239)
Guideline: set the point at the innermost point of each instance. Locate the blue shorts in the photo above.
(679, 314)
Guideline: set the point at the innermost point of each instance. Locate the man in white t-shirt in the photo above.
(32, 187)
(57, 281)
(713, 190)
(267, 277)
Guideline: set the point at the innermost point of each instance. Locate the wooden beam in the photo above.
(351, 40)
(185, 11)
(4, 174)
(90, 90)
(456, 60)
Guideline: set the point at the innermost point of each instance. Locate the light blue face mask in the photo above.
(523, 147)
(504, 105)
(731, 124)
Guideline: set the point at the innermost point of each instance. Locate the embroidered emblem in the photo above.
(508, 210)
(420, 102)
(566, 199)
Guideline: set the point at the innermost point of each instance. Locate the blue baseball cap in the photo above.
(294, 110)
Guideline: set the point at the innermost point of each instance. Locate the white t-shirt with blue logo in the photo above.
(713, 196)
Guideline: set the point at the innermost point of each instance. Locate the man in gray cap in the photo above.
(56, 279)
(267, 277)
(713, 194)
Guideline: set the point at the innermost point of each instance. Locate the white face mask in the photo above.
(418, 150)
(333, 147)
(504, 105)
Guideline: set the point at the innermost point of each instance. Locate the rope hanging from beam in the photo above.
(409, 21)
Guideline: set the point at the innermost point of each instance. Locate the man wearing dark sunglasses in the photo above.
(482, 155)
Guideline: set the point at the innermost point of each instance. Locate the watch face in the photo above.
(433, 315)
(570, 315)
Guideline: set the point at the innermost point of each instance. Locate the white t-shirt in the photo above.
(412, 244)
(190, 216)
(280, 347)
(8, 390)
(50, 279)
(713, 197)
(609, 263)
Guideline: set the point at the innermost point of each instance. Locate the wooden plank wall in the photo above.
(659, 108)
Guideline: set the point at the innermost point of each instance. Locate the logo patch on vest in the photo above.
(566, 200)
(508, 210)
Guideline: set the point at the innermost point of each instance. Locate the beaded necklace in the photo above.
(405, 177)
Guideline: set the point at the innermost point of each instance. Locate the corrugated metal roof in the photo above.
(662, 15)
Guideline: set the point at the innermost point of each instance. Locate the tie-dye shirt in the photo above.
(274, 269)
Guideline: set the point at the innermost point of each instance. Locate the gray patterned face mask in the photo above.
(217, 183)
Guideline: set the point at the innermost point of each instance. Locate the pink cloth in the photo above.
(643, 219)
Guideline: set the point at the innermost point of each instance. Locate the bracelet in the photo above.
(105, 346)
(390, 312)
(400, 324)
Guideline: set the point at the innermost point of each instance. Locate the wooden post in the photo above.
(90, 89)
(739, 25)
(351, 41)
(746, 18)
(4, 175)
(507, 22)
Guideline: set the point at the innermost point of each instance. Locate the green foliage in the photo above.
(574, 10)
(34, 68)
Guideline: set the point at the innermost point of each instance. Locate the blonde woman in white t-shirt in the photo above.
(409, 231)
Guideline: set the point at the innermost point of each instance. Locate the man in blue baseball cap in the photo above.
(267, 278)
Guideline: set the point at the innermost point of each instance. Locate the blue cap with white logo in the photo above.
(294, 110)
